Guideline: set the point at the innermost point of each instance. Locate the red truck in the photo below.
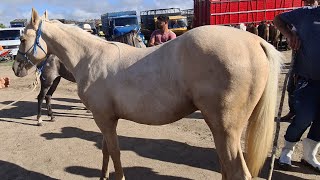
(234, 12)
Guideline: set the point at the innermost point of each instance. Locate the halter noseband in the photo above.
(34, 47)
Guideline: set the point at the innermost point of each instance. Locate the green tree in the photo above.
(2, 25)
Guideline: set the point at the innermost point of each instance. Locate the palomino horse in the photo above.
(228, 74)
(52, 70)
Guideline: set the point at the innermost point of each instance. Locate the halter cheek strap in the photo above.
(37, 41)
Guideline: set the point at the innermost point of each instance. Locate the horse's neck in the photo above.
(69, 44)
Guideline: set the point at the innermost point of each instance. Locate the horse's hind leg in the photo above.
(49, 96)
(226, 123)
(228, 146)
(110, 147)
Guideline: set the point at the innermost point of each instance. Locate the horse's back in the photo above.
(214, 32)
(220, 43)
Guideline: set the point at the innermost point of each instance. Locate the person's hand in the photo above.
(294, 41)
(4, 82)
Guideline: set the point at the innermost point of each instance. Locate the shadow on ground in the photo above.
(132, 173)
(26, 109)
(158, 149)
(12, 171)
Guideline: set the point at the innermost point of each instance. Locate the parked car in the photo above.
(10, 39)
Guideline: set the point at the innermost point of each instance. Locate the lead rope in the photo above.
(34, 84)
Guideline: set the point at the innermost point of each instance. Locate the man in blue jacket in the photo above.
(305, 41)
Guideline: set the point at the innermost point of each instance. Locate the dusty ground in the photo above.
(70, 147)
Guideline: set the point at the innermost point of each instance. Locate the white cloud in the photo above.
(173, 3)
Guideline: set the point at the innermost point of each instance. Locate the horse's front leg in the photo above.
(105, 161)
(110, 147)
(43, 91)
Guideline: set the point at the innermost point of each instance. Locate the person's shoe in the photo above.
(286, 155)
(310, 149)
(288, 117)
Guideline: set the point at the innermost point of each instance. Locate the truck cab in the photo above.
(10, 39)
(116, 24)
(122, 25)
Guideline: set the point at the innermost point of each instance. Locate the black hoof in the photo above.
(53, 119)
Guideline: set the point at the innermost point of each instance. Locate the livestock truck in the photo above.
(235, 12)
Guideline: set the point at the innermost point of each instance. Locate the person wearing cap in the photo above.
(305, 40)
(162, 34)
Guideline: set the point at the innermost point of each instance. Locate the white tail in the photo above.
(261, 123)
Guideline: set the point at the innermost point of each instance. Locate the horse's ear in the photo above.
(34, 17)
(45, 15)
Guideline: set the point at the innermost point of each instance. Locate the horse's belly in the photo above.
(155, 111)
(159, 118)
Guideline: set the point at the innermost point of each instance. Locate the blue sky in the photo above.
(80, 9)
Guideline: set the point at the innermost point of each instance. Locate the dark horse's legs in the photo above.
(49, 95)
(47, 89)
(43, 91)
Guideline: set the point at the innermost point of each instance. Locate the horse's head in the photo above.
(33, 49)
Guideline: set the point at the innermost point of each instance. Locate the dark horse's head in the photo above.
(33, 48)
(131, 38)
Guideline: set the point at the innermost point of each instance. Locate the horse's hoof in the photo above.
(39, 119)
(53, 119)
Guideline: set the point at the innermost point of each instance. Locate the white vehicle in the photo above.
(10, 39)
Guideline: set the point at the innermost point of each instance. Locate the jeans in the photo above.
(307, 110)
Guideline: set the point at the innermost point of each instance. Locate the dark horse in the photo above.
(131, 38)
(54, 70)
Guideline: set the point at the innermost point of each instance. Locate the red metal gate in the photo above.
(228, 12)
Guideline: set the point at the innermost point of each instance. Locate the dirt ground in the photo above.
(70, 148)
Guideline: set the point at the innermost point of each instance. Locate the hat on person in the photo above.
(87, 28)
